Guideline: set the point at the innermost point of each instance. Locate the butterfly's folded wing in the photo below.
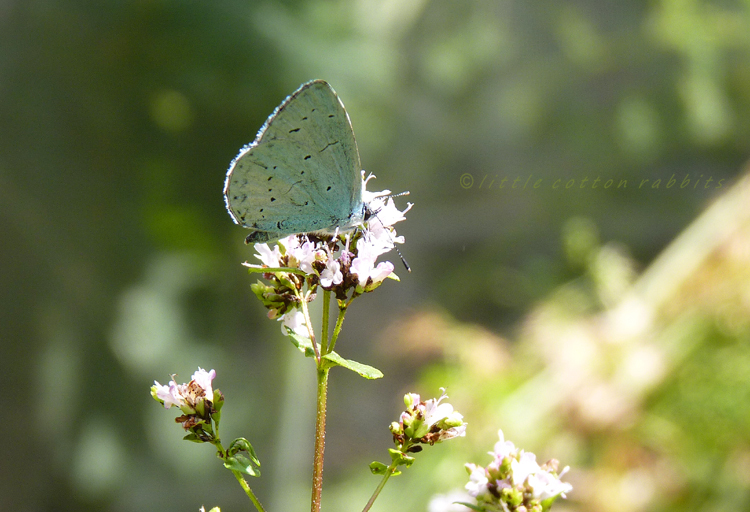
(302, 173)
(277, 187)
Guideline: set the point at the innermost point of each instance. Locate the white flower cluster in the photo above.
(514, 481)
(186, 396)
(197, 400)
(338, 263)
(427, 422)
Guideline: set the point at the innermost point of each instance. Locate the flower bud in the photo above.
(411, 399)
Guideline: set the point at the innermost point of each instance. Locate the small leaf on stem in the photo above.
(302, 343)
(242, 464)
(378, 468)
(366, 371)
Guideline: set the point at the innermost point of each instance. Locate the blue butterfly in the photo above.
(302, 172)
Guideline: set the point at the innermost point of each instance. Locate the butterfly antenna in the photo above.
(375, 214)
(405, 193)
(403, 260)
(390, 235)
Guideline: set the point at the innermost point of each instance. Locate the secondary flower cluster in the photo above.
(197, 400)
(427, 422)
(514, 481)
(343, 264)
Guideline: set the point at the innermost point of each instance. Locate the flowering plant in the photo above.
(514, 481)
(345, 265)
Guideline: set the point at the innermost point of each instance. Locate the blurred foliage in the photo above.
(626, 360)
(645, 396)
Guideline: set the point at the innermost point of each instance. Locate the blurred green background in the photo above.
(606, 327)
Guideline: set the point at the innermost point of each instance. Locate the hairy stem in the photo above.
(308, 321)
(388, 472)
(324, 349)
(248, 491)
(337, 329)
(320, 439)
(243, 483)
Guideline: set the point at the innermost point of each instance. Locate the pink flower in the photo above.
(186, 396)
(331, 275)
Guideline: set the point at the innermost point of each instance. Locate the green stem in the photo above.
(243, 483)
(337, 329)
(326, 307)
(308, 321)
(320, 439)
(258, 269)
(388, 472)
(248, 491)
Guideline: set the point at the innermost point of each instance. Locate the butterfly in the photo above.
(302, 172)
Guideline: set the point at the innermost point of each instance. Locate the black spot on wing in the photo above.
(328, 145)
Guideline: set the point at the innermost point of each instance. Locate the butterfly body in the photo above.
(302, 172)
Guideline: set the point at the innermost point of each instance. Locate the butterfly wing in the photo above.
(302, 172)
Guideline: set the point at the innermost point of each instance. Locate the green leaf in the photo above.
(303, 344)
(368, 372)
(218, 400)
(242, 464)
(417, 429)
(243, 445)
(546, 504)
(470, 505)
(422, 430)
(396, 456)
(378, 468)
(153, 394)
(255, 269)
(192, 437)
(400, 458)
